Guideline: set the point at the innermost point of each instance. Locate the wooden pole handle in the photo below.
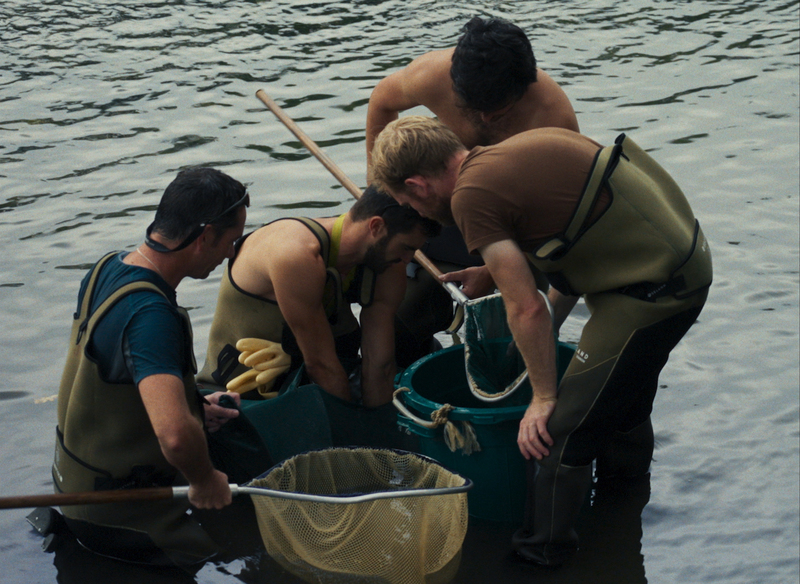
(309, 144)
(312, 147)
(88, 498)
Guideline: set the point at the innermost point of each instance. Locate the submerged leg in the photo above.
(627, 454)
(548, 536)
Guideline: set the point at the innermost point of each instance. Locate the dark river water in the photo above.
(101, 103)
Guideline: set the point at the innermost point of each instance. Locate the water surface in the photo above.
(101, 103)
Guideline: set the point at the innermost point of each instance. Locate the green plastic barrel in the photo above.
(498, 469)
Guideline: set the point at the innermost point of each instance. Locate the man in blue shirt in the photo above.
(129, 414)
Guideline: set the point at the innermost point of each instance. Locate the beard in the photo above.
(443, 213)
(488, 133)
(375, 257)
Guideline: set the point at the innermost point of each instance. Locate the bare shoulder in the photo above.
(285, 240)
(427, 78)
(431, 63)
(275, 252)
(549, 105)
(548, 87)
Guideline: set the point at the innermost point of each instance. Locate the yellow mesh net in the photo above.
(398, 540)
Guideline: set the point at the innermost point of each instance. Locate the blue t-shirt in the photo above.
(143, 333)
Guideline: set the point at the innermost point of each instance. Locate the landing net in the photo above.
(398, 540)
(494, 370)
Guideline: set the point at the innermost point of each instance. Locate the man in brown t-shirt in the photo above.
(486, 89)
(608, 224)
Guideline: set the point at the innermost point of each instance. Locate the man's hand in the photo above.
(531, 326)
(475, 282)
(211, 493)
(182, 439)
(217, 415)
(533, 437)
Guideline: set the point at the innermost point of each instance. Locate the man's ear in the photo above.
(207, 237)
(417, 186)
(377, 226)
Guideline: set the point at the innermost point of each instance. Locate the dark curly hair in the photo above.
(492, 65)
(398, 218)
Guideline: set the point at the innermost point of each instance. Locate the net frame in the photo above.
(317, 522)
(485, 319)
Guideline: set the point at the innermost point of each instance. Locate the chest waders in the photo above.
(643, 266)
(104, 440)
(663, 251)
(241, 315)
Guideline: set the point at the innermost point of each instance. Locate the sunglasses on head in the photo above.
(161, 248)
(386, 207)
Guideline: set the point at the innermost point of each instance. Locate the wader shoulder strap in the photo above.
(86, 301)
(366, 290)
(336, 239)
(89, 324)
(333, 301)
(322, 235)
(604, 164)
(117, 295)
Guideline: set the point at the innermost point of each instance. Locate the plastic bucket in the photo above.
(498, 470)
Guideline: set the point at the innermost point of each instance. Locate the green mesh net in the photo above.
(494, 369)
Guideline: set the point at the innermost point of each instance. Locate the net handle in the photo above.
(182, 492)
(164, 493)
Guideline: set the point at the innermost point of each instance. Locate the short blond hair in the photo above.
(410, 146)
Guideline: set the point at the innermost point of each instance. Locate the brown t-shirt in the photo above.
(524, 188)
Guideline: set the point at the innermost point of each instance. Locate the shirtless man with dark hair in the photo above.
(485, 89)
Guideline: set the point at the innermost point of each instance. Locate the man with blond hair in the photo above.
(605, 223)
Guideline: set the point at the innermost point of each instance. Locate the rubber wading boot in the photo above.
(548, 536)
(627, 454)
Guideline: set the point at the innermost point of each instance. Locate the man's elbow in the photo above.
(174, 440)
(528, 313)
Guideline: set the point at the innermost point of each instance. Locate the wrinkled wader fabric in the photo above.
(641, 304)
(105, 441)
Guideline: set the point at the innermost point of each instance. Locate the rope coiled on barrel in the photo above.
(464, 439)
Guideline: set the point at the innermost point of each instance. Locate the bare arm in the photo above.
(424, 82)
(298, 278)
(377, 337)
(183, 441)
(532, 329)
(388, 99)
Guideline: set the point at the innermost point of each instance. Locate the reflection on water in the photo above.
(101, 103)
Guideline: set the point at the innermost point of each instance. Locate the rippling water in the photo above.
(101, 103)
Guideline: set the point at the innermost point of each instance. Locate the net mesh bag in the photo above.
(494, 370)
(400, 540)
